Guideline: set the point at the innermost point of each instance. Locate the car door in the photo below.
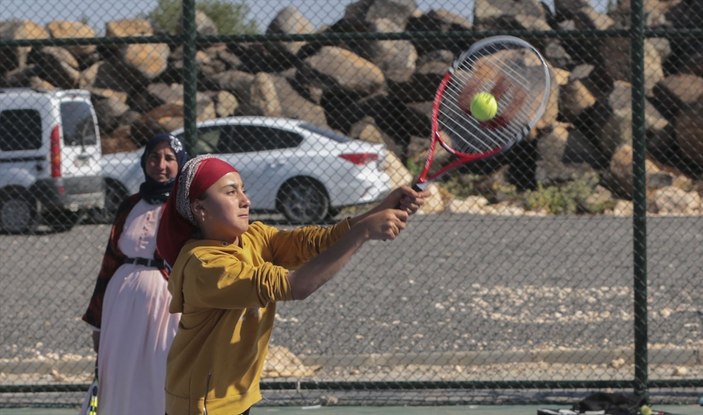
(251, 149)
(81, 150)
(221, 139)
(260, 153)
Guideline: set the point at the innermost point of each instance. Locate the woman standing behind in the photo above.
(128, 310)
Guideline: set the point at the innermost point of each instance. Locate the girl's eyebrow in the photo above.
(233, 185)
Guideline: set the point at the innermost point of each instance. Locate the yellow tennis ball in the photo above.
(484, 106)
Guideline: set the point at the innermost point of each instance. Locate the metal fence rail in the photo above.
(571, 263)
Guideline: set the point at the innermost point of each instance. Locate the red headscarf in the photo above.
(177, 224)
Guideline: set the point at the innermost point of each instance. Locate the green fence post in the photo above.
(190, 73)
(639, 200)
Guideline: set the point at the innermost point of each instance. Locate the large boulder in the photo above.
(491, 14)
(577, 95)
(56, 65)
(617, 129)
(396, 58)
(336, 68)
(620, 177)
(263, 98)
(677, 92)
(439, 20)
(203, 24)
(398, 11)
(238, 83)
(485, 10)
(16, 57)
(422, 85)
(63, 29)
(655, 12)
(689, 133)
(109, 106)
(149, 60)
(290, 21)
(294, 105)
(616, 60)
(225, 102)
(553, 166)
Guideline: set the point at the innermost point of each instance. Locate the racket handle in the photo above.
(418, 187)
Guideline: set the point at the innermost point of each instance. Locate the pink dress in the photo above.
(137, 328)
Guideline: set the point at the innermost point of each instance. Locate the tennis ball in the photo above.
(484, 106)
(645, 410)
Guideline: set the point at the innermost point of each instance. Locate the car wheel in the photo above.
(114, 196)
(332, 213)
(303, 201)
(60, 220)
(17, 211)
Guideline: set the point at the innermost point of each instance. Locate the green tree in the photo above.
(229, 18)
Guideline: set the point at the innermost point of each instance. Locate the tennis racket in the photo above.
(93, 390)
(515, 74)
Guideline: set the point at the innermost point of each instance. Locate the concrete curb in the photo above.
(684, 357)
(670, 356)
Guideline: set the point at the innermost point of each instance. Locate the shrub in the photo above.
(569, 198)
(230, 18)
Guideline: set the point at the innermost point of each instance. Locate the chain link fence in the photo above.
(573, 262)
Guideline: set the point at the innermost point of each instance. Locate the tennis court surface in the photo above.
(384, 410)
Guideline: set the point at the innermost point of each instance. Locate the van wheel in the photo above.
(114, 196)
(303, 200)
(332, 213)
(17, 211)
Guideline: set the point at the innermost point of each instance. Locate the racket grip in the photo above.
(418, 187)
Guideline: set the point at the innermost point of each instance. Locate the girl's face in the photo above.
(161, 163)
(223, 213)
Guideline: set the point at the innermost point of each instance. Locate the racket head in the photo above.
(515, 73)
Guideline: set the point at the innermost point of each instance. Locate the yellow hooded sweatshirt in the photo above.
(227, 295)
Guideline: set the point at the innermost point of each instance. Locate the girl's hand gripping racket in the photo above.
(514, 73)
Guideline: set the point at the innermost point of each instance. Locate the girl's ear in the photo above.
(198, 212)
(197, 208)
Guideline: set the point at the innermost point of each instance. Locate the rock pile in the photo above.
(381, 90)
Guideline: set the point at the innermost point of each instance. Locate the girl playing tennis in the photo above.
(228, 275)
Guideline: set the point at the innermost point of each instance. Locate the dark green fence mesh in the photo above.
(550, 269)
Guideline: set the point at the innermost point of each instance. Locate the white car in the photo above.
(292, 167)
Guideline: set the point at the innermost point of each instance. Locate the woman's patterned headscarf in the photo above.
(177, 224)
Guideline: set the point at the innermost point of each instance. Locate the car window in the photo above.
(207, 142)
(249, 138)
(340, 138)
(78, 124)
(20, 130)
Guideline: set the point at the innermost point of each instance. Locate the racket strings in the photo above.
(460, 125)
(467, 135)
(520, 78)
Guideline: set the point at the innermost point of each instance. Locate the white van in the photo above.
(49, 159)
